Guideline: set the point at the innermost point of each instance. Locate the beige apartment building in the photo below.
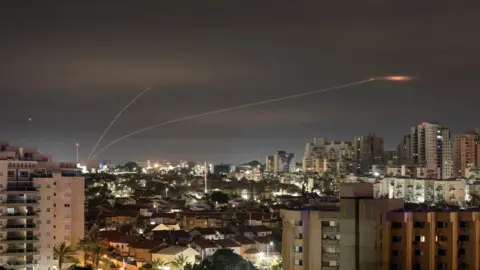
(41, 204)
(429, 240)
(331, 238)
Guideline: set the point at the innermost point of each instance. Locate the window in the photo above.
(462, 251)
(48, 209)
(418, 252)
(298, 223)
(442, 225)
(442, 238)
(66, 238)
(420, 238)
(441, 266)
(419, 224)
(67, 215)
(11, 174)
(298, 262)
(396, 225)
(463, 225)
(394, 266)
(48, 197)
(463, 238)
(48, 257)
(48, 221)
(48, 233)
(68, 195)
(394, 253)
(54, 194)
(67, 205)
(67, 227)
(298, 249)
(396, 239)
(23, 173)
(417, 267)
(441, 252)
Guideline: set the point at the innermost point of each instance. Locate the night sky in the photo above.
(73, 66)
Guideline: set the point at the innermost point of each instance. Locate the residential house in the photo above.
(191, 222)
(229, 244)
(205, 233)
(141, 250)
(205, 248)
(114, 218)
(179, 237)
(252, 231)
(169, 254)
(167, 227)
(225, 233)
(245, 244)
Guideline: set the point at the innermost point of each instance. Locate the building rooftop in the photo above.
(227, 243)
(243, 240)
(171, 250)
(204, 243)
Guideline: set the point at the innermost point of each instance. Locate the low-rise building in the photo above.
(169, 254)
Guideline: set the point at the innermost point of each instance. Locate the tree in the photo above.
(158, 264)
(65, 254)
(94, 248)
(179, 262)
(219, 197)
(224, 259)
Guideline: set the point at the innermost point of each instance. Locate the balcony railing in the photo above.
(21, 250)
(21, 263)
(20, 238)
(20, 226)
(19, 201)
(29, 214)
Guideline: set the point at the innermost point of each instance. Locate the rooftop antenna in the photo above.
(77, 145)
(30, 130)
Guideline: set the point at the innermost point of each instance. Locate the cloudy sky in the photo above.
(72, 66)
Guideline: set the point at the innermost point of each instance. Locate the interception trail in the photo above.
(390, 78)
(115, 119)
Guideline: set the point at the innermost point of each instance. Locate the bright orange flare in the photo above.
(398, 78)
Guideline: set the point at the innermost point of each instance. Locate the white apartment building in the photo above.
(322, 150)
(41, 205)
(421, 190)
(431, 147)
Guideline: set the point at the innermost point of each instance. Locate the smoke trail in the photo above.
(232, 109)
(115, 119)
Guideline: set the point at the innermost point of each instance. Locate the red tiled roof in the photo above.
(227, 243)
(242, 240)
(204, 243)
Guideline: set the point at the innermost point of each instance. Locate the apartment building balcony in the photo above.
(330, 256)
(331, 230)
(19, 264)
(20, 215)
(20, 252)
(19, 240)
(13, 203)
(19, 228)
(19, 190)
(330, 243)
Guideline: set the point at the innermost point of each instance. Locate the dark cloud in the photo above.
(73, 65)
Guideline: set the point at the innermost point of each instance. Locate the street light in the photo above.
(268, 246)
(166, 192)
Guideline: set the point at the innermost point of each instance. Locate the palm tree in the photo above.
(179, 262)
(65, 254)
(158, 264)
(94, 248)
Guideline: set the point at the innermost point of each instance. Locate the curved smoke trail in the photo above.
(231, 109)
(115, 119)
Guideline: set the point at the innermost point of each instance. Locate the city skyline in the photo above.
(75, 68)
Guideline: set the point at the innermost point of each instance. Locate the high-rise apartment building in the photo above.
(281, 162)
(40, 206)
(338, 154)
(332, 238)
(368, 151)
(428, 240)
(404, 151)
(466, 153)
(431, 147)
